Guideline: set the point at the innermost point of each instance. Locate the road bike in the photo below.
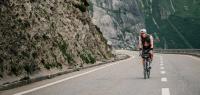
(147, 61)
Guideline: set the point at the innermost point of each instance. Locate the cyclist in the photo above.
(146, 43)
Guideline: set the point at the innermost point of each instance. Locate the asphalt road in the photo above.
(170, 75)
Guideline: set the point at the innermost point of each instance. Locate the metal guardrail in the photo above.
(195, 52)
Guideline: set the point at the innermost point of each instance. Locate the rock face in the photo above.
(119, 20)
(174, 23)
(37, 34)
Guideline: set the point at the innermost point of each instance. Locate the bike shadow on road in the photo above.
(142, 78)
(139, 78)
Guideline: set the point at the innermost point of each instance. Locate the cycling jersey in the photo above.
(146, 43)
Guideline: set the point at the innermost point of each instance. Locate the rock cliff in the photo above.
(119, 20)
(37, 34)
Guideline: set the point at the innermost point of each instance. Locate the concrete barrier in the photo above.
(194, 52)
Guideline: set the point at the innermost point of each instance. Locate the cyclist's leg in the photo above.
(142, 57)
(151, 58)
(142, 60)
(151, 55)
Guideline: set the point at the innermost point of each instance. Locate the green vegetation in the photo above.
(30, 68)
(87, 57)
(178, 22)
(52, 65)
(63, 46)
(15, 69)
(81, 7)
(36, 35)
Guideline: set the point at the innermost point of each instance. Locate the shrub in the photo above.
(16, 69)
(87, 57)
(67, 55)
(81, 7)
(30, 67)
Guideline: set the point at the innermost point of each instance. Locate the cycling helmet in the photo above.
(143, 31)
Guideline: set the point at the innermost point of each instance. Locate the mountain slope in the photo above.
(174, 22)
(119, 20)
(36, 34)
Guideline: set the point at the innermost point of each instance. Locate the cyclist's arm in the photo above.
(152, 43)
(140, 43)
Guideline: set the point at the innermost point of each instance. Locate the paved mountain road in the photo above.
(171, 75)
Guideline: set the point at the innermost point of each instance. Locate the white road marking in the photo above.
(163, 72)
(165, 91)
(164, 79)
(56, 82)
(162, 68)
(161, 60)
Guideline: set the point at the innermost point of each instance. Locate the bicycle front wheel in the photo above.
(148, 70)
(145, 70)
